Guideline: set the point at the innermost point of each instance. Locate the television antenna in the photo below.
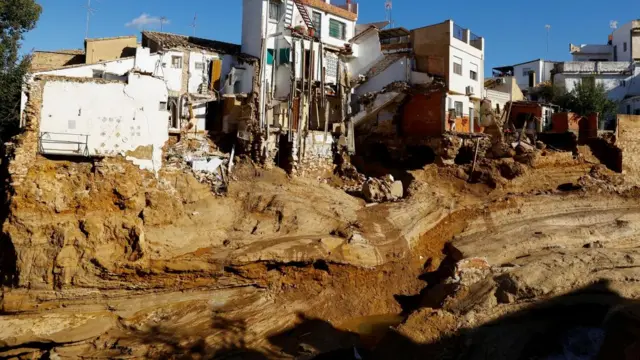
(548, 27)
(163, 20)
(613, 24)
(388, 6)
(90, 12)
(194, 24)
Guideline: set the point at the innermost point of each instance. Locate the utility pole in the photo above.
(90, 12)
(194, 24)
(544, 66)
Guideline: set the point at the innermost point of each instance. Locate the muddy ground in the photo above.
(101, 260)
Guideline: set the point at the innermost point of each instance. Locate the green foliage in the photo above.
(586, 98)
(16, 18)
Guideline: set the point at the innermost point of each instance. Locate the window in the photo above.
(317, 22)
(458, 107)
(284, 56)
(176, 62)
(270, 53)
(162, 106)
(98, 74)
(526, 71)
(199, 65)
(624, 47)
(457, 66)
(274, 10)
(337, 29)
(473, 73)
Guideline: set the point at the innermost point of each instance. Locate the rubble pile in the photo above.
(199, 156)
(385, 189)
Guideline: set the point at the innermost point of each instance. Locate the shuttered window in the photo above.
(337, 29)
(457, 65)
(285, 56)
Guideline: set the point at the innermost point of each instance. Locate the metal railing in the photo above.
(459, 32)
(64, 147)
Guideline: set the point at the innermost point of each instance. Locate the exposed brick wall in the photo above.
(422, 115)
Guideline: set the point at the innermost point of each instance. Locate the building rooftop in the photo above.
(394, 33)
(333, 9)
(111, 38)
(172, 41)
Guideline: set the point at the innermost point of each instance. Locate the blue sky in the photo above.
(514, 31)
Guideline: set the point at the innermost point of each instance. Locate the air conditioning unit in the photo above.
(499, 81)
(470, 90)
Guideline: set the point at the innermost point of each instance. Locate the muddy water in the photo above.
(372, 329)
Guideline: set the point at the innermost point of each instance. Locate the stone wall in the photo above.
(317, 153)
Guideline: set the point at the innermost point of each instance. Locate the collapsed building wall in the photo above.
(94, 117)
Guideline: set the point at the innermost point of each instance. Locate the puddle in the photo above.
(372, 329)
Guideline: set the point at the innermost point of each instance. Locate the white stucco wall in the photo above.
(497, 97)
(197, 77)
(459, 83)
(618, 86)
(253, 13)
(119, 67)
(398, 71)
(324, 31)
(589, 52)
(542, 68)
(117, 117)
(621, 36)
(630, 106)
(172, 76)
(367, 51)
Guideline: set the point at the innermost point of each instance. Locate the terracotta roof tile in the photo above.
(331, 9)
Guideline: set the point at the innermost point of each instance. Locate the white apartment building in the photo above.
(522, 72)
(457, 55)
(614, 65)
(623, 45)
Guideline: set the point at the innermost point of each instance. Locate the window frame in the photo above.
(459, 64)
(318, 25)
(526, 71)
(624, 47)
(274, 5)
(343, 28)
(176, 62)
(455, 107)
(199, 65)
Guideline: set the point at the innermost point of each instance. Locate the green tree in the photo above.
(16, 18)
(588, 97)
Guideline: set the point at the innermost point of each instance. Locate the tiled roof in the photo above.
(172, 41)
(331, 9)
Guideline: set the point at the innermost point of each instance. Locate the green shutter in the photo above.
(285, 56)
(336, 29)
(270, 56)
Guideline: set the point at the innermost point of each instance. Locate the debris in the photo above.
(382, 190)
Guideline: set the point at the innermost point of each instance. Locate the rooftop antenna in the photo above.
(194, 24)
(90, 12)
(613, 24)
(163, 20)
(388, 6)
(548, 27)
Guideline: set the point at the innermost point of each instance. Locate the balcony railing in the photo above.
(459, 33)
(593, 67)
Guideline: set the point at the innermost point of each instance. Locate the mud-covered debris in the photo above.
(382, 189)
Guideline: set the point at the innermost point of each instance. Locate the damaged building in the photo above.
(125, 98)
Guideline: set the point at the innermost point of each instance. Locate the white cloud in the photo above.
(145, 20)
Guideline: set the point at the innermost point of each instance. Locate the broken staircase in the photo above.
(305, 14)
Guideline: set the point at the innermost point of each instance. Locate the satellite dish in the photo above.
(388, 5)
(613, 24)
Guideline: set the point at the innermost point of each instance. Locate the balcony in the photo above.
(593, 67)
(467, 37)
